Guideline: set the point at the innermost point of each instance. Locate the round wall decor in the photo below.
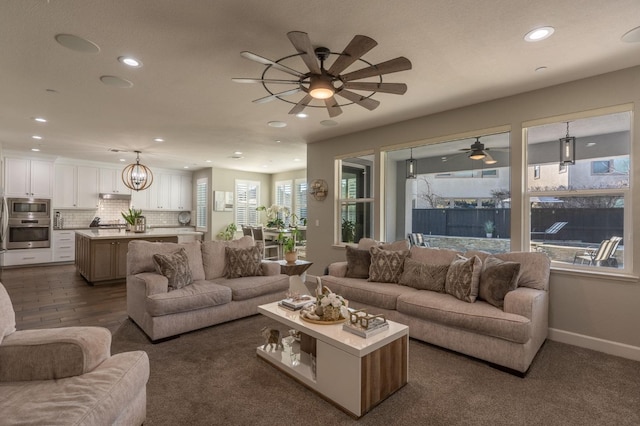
(318, 189)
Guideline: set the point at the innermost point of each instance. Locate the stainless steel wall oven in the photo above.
(29, 223)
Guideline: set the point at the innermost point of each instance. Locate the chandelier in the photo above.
(137, 176)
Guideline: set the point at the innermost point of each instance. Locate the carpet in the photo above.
(213, 377)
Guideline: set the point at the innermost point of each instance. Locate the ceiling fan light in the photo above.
(477, 155)
(320, 87)
(490, 161)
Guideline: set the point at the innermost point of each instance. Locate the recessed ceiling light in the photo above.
(632, 36)
(238, 153)
(539, 34)
(207, 161)
(278, 141)
(329, 123)
(130, 62)
(185, 167)
(123, 160)
(264, 166)
(301, 115)
(36, 137)
(591, 144)
(277, 124)
(236, 157)
(158, 140)
(35, 149)
(296, 159)
(40, 119)
(76, 43)
(113, 81)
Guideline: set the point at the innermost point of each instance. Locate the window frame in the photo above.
(202, 204)
(241, 203)
(369, 202)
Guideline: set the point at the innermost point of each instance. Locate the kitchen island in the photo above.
(101, 254)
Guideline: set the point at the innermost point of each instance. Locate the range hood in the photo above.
(107, 196)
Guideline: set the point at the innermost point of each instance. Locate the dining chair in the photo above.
(268, 245)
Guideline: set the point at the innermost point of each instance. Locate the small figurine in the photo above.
(271, 337)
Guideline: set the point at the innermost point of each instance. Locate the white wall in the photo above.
(586, 309)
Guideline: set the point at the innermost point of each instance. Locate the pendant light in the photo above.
(137, 176)
(567, 149)
(412, 167)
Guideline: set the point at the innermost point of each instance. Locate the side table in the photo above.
(296, 272)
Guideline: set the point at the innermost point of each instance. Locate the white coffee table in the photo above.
(354, 373)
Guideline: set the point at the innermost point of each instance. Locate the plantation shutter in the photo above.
(247, 196)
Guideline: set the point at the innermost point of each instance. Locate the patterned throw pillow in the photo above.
(243, 262)
(424, 276)
(463, 278)
(386, 265)
(498, 277)
(358, 263)
(174, 266)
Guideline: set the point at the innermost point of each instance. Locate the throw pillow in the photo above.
(358, 263)
(498, 277)
(243, 262)
(174, 266)
(463, 278)
(423, 276)
(386, 265)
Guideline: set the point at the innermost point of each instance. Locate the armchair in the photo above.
(67, 376)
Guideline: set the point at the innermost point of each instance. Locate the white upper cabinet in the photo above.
(28, 178)
(76, 187)
(111, 182)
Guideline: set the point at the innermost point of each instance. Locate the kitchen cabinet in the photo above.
(28, 178)
(76, 187)
(105, 259)
(111, 182)
(26, 257)
(64, 243)
(181, 192)
(167, 192)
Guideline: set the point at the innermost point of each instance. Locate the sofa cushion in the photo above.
(200, 294)
(423, 276)
(243, 262)
(479, 317)
(386, 265)
(174, 266)
(498, 277)
(250, 287)
(213, 255)
(463, 278)
(140, 256)
(358, 262)
(534, 268)
(7, 315)
(380, 295)
(433, 256)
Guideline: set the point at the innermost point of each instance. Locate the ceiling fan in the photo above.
(477, 151)
(323, 84)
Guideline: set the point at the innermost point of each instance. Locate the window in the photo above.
(591, 198)
(201, 204)
(247, 197)
(453, 197)
(355, 202)
(300, 204)
(284, 196)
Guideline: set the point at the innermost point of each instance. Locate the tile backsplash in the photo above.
(109, 212)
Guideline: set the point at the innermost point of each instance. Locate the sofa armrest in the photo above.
(338, 269)
(525, 301)
(270, 267)
(153, 283)
(53, 353)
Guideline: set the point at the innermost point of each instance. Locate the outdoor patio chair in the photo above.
(417, 239)
(603, 255)
(552, 230)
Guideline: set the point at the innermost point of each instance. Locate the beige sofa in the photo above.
(509, 337)
(210, 299)
(67, 376)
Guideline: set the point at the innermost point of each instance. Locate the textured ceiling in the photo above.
(463, 52)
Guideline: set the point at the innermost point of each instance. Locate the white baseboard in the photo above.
(596, 344)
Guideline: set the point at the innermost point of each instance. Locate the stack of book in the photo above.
(375, 325)
(296, 303)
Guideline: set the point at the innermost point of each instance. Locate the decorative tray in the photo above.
(338, 321)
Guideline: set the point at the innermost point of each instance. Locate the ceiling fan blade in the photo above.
(357, 47)
(265, 61)
(394, 88)
(300, 106)
(332, 107)
(276, 95)
(367, 103)
(301, 42)
(264, 80)
(392, 65)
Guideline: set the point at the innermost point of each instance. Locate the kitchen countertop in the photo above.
(96, 233)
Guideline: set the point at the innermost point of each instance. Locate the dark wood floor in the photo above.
(57, 296)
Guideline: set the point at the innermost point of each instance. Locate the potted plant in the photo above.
(489, 227)
(288, 243)
(228, 232)
(130, 217)
(348, 231)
